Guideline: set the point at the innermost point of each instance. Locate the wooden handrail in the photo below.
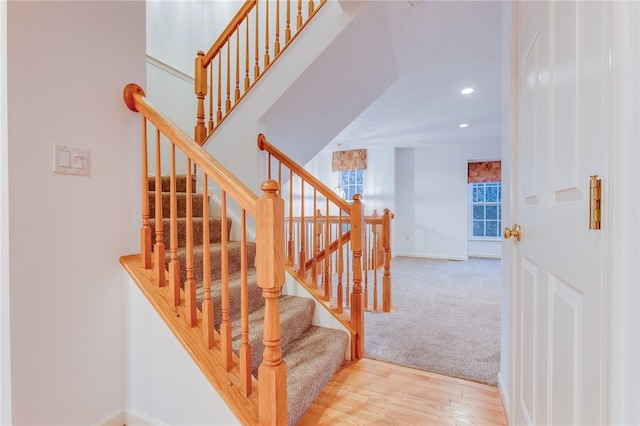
(135, 99)
(249, 37)
(226, 34)
(264, 145)
(267, 211)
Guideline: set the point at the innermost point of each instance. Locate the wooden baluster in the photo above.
(256, 67)
(327, 273)
(280, 179)
(247, 81)
(339, 266)
(357, 297)
(219, 112)
(200, 132)
(299, 17)
(267, 60)
(311, 9)
(237, 91)
(207, 303)
(303, 254)
(190, 284)
(245, 348)
(158, 248)
(365, 262)
(290, 247)
(374, 261)
(348, 269)
(269, 165)
(225, 326)
(386, 244)
(145, 230)
(276, 48)
(228, 101)
(287, 31)
(316, 242)
(211, 122)
(174, 263)
(272, 399)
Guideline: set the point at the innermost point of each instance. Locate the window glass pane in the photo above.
(478, 192)
(492, 212)
(478, 228)
(478, 212)
(499, 193)
(499, 212)
(492, 229)
(491, 193)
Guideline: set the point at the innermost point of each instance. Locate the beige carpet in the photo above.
(446, 319)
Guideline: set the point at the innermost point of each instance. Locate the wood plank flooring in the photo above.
(368, 392)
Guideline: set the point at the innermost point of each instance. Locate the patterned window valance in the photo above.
(356, 159)
(486, 171)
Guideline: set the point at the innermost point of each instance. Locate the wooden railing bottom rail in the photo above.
(208, 360)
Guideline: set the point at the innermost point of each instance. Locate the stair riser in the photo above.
(181, 203)
(215, 233)
(181, 183)
(215, 261)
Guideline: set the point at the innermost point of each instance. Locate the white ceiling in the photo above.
(440, 48)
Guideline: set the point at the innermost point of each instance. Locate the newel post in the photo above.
(357, 297)
(200, 131)
(270, 262)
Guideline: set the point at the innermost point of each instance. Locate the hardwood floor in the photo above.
(369, 392)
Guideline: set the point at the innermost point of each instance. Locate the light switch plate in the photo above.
(70, 161)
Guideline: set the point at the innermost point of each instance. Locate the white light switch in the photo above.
(72, 161)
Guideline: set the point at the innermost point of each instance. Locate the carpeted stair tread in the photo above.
(254, 296)
(181, 203)
(311, 362)
(215, 230)
(295, 314)
(181, 183)
(233, 250)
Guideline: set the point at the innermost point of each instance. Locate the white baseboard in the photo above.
(134, 417)
(505, 395)
(431, 256)
(114, 419)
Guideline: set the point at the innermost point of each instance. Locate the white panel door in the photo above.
(562, 138)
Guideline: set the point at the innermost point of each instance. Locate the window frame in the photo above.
(346, 187)
(470, 206)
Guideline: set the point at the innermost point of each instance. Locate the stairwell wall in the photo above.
(67, 64)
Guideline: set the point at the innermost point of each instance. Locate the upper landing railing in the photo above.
(247, 47)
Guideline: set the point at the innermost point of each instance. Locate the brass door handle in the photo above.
(515, 232)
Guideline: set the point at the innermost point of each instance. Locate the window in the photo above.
(485, 214)
(351, 182)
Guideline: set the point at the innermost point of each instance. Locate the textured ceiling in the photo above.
(440, 47)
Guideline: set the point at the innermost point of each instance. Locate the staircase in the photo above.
(312, 354)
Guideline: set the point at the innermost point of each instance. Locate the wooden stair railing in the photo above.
(232, 66)
(329, 251)
(268, 403)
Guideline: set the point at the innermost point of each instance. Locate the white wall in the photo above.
(68, 63)
(164, 385)
(378, 178)
(431, 198)
(5, 348)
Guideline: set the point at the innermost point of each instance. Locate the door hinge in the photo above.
(595, 210)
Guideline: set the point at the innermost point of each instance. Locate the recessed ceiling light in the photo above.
(467, 90)
(463, 125)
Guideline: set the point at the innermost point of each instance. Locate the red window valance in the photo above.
(355, 159)
(485, 171)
